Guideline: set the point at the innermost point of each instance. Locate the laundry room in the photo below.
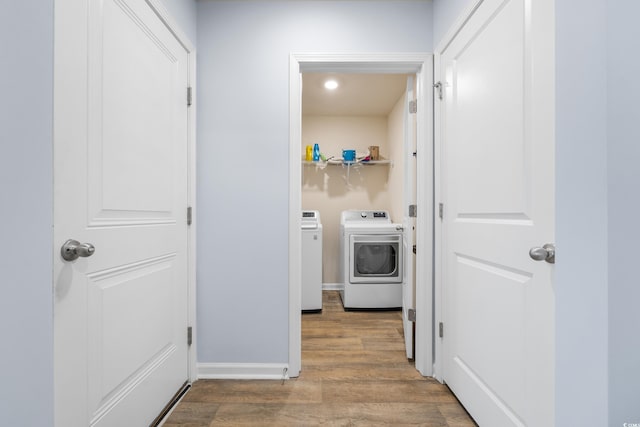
(364, 116)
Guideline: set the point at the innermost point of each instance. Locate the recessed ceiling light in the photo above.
(330, 84)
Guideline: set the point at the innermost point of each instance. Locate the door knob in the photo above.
(72, 249)
(545, 253)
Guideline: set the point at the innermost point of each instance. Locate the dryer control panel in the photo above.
(365, 216)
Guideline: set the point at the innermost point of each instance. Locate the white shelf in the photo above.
(339, 162)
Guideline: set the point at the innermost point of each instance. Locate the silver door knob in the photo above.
(545, 253)
(72, 249)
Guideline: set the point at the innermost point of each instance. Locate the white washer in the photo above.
(371, 260)
(311, 261)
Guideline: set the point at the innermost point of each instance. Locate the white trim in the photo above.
(409, 63)
(332, 286)
(457, 26)
(437, 255)
(437, 166)
(375, 63)
(295, 207)
(242, 371)
(424, 235)
(160, 10)
(191, 200)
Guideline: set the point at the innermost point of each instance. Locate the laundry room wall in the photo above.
(243, 148)
(334, 188)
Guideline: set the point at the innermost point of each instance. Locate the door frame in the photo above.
(161, 11)
(409, 194)
(376, 63)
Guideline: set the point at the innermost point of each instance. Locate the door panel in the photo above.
(117, 302)
(499, 202)
(134, 98)
(121, 184)
(136, 135)
(497, 84)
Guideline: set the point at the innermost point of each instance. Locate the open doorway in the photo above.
(365, 110)
(338, 183)
(371, 269)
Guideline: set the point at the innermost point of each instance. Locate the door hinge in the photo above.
(413, 106)
(189, 96)
(441, 210)
(189, 335)
(411, 315)
(441, 330)
(413, 211)
(438, 87)
(189, 215)
(415, 249)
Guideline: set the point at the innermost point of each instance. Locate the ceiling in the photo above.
(356, 95)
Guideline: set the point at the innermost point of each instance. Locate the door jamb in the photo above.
(161, 11)
(407, 63)
(437, 229)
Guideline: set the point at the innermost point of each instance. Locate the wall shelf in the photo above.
(339, 162)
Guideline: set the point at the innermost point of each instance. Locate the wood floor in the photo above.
(354, 373)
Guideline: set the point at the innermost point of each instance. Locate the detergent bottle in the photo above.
(316, 152)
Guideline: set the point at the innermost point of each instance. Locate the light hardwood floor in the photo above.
(354, 373)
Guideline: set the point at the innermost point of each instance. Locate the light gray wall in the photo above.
(581, 218)
(623, 156)
(243, 144)
(26, 113)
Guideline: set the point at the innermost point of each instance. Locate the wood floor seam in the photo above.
(354, 373)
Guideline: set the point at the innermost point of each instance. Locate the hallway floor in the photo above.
(354, 373)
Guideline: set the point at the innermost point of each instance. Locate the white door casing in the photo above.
(409, 222)
(497, 177)
(120, 183)
(377, 63)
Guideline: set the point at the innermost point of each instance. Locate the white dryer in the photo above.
(371, 260)
(311, 261)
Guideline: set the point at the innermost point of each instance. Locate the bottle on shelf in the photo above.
(316, 152)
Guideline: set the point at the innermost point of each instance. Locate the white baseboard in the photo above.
(332, 286)
(243, 371)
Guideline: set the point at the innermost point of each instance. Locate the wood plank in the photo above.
(354, 372)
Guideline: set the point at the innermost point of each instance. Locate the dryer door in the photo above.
(375, 258)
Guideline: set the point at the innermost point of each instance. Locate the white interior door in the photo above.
(409, 221)
(120, 183)
(498, 190)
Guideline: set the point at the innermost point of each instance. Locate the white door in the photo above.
(498, 194)
(120, 184)
(409, 221)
